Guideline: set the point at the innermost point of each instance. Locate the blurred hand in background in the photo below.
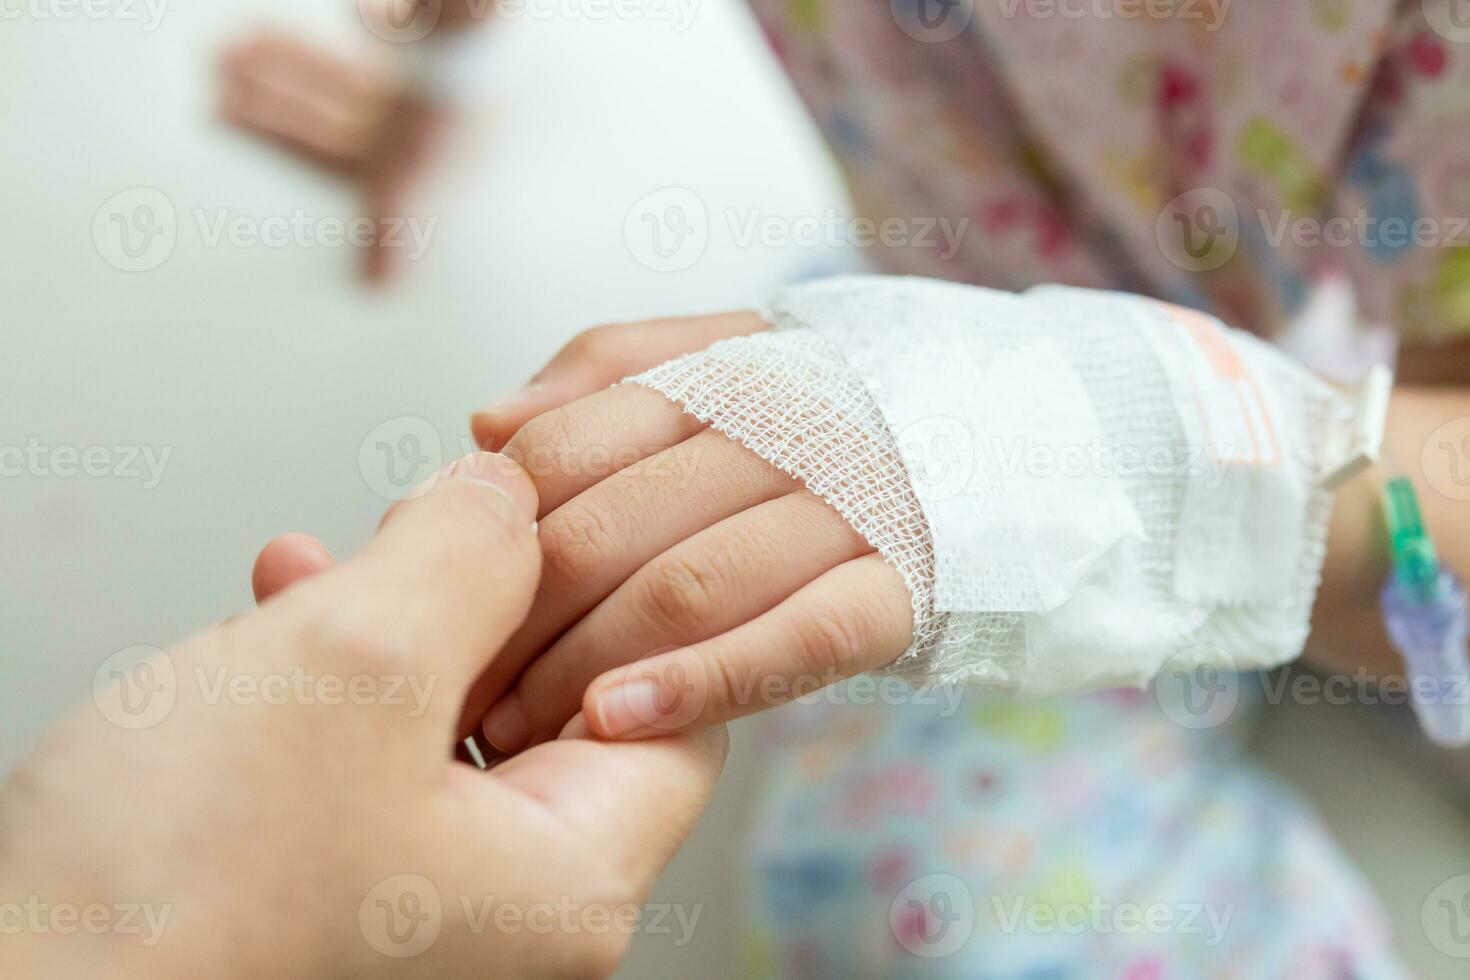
(356, 118)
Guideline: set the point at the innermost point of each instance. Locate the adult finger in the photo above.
(599, 358)
(635, 803)
(716, 580)
(447, 579)
(856, 618)
(286, 560)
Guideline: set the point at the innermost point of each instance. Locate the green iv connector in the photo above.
(1414, 558)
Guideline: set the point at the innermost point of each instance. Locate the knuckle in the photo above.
(682, 592)
(731, 688)
(575, 543)
(828, 640)
(605, 344)
(538, 446)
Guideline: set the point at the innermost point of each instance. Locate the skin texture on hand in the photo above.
(731, 586)
(312, 835)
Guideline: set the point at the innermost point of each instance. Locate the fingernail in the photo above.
(488, 755)
(506, 726)
(489, 423)
(501, 475)
(513, 400)
(626, 710)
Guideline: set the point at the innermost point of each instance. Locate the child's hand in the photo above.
(351, 119)
(665, 540)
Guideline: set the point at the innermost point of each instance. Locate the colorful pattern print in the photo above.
(1221, 156)
(1099, 142)
(1087, 838)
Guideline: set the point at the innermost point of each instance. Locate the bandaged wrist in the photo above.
(1078, 487)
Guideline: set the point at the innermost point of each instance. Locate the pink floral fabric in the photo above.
(1217, 153)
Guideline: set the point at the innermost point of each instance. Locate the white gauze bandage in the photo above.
(1078, 487)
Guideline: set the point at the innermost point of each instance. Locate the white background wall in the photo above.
(262, 370)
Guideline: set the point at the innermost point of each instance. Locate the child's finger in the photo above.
(570, 450)
(285, 561)
(594, 543)
(856, 618)
(714, 581)
(599, 358)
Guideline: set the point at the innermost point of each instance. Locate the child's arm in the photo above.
(666, 540)
(1348, 634)
(1428, 440)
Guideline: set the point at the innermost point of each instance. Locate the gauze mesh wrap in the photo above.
(1078, 487)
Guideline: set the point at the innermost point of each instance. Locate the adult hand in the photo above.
(286, 804)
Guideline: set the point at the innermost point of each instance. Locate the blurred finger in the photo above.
(307, 64)
(330, 136)
(856, 618)
(272, 97)
(410, 135)
(602, 357)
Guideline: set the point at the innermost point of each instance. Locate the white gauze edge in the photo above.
(1077, 487)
